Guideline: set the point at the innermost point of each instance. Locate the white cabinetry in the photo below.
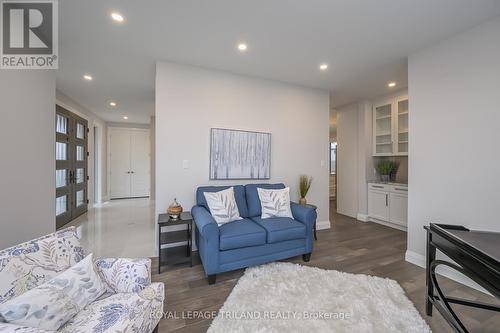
(390, 127)
(388, 204)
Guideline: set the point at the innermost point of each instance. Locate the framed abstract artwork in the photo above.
(236, 154)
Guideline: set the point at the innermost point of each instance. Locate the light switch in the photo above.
(185, 164)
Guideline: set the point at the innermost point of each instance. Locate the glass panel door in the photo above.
(71, 166)
(383, 129)
(402, 126)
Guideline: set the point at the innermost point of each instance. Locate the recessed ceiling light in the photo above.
(323, 67)
(125, 117)
(117, 17)
(391, 84)
(87, 77)
(112, 104)
(242, 47)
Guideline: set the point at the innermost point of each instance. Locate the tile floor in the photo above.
(119, 228)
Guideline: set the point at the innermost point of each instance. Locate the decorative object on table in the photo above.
(386, 168)
(175, 209)
(275, 202)
(356, 302)
(236, 154)
(44, 260)
(222, 206)
(304, 186)
(182, 251)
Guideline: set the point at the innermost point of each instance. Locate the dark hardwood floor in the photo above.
(349, 246)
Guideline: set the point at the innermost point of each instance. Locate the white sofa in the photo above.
(33, 263)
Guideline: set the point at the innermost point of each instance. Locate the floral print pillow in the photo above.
(125, 275)
(28, 265)
(52, 304)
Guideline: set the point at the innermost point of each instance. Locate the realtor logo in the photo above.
(28, 34)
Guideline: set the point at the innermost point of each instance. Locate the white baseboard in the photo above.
(419, 260)
(362, 217)
(320, 225)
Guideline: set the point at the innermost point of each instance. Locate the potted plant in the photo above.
(304, 185)
(386, 169)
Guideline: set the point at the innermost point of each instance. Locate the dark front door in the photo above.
(71, 166)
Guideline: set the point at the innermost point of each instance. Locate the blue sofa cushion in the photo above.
(253, 201)
(242, 233)
(281, 228)
(239, 195)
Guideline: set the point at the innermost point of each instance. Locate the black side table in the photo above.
(176, 254)
(315, 208)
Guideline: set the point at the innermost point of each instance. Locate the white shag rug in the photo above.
(286, 297)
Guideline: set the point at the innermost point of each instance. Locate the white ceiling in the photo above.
(365, 42)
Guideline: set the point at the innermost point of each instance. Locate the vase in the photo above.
(174, 210)
(303, 201)
(385, 178)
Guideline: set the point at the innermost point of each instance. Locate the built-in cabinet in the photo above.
(388, 204)
(390, 127)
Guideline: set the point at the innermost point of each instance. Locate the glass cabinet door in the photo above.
(383, 129)
(402, 128)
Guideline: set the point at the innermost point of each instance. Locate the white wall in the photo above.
(191, 100)
(27, 150)
(354, 161)
(93, 121)
(347, 160)
(153, 158)
(454, 134)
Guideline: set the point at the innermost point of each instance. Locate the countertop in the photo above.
(387, 183)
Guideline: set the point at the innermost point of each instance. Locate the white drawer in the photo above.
(378, 187)
(398, 189)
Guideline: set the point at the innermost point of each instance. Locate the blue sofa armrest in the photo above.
(304, 214)
(208, 240)
(308, 217)
(205, 223)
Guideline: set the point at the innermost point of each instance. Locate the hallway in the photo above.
(119, 228)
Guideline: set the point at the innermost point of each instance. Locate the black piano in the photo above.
(476, 255)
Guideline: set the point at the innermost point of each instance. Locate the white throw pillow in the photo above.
(223, 206)
(275, 203)
(52, 304)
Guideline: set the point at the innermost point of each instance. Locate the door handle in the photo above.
(132, 171)
(387, 200)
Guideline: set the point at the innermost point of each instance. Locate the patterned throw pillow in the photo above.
(52, 304)
(223, 206)
(124, 275)
(275, 203)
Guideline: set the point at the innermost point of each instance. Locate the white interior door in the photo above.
(140, 157)
(119, 153)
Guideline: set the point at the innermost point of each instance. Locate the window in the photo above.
(333, 158)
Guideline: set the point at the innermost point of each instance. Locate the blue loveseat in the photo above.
(252, 240)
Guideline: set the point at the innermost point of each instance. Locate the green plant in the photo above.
(304, 185)
(386, 167)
